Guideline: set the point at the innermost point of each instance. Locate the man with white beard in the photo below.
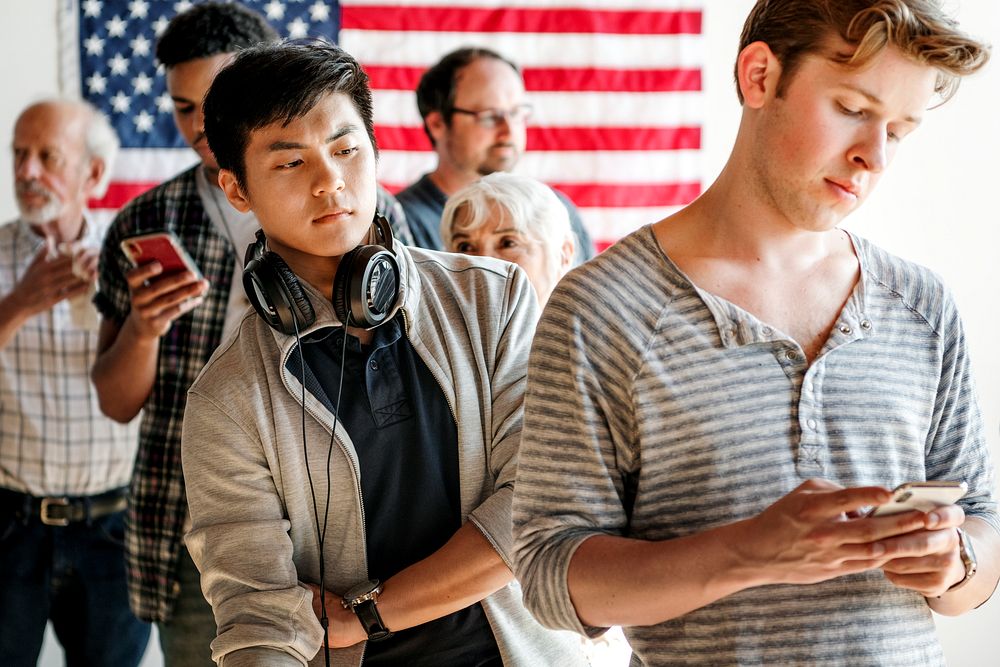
(64, 466)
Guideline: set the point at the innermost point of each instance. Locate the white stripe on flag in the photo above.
(141, 165)
(584, 109)
(617, 222)
(605, 167)
(422, 49)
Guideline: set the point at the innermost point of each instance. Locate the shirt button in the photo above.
(791, 355)
(844, 329)
(811, 423)
(865, 324)
(766, 331)
(373, 365)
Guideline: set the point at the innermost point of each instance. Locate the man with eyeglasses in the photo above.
(472, 105)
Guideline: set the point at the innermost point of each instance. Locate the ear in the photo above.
(94, 175)
(566, 253)
(757, 74)
(235, 194)
(436, 125)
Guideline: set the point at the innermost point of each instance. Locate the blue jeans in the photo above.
(74, 576)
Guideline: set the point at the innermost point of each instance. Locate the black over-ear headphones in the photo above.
(365, 287)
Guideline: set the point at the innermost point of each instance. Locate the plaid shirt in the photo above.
(158, 508)
(54, 441)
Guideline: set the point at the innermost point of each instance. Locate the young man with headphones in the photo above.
(360, 431)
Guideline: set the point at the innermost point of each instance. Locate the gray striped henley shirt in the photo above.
(657, 410)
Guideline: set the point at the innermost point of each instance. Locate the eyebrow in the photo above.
(291, 145)
(874, 99)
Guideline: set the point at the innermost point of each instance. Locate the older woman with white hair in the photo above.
(515, 218)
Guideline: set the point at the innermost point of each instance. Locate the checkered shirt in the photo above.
(158, 507)
(54, 440)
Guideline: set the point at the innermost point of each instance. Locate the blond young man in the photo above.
(716, 425)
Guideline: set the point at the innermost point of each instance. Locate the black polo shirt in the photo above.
(406, 439)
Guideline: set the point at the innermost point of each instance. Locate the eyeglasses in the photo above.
(490, 118)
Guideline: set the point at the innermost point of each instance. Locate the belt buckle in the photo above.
(43, 513)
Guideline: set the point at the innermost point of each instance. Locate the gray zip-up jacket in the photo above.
(254, 530)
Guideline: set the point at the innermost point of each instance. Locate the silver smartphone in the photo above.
(922, 496)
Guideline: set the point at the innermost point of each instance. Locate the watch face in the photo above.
(359, 590)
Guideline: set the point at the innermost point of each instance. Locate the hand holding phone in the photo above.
(162, 247)
(160, 298)
(922, 496)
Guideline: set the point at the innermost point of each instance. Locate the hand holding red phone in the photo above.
(164, 284)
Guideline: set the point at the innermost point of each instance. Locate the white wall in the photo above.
(933, 206)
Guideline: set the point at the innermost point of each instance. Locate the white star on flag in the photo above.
(118, 64)
(97, 84)
(92, 8)
(143, 84)
(116, 27)
(121, 102)
(319, 11)
(143, 122)
(140, 46)
(160, 24)
(164, 104)
(275, 10)
(182, 6)
(94, 45)
(138, 9)
(298, 28)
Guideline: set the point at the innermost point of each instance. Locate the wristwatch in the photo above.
(968, 557)
(362, 599)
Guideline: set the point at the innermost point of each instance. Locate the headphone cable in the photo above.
(324, 619)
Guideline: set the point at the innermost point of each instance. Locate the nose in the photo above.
(328, 177)
(871, 153)
(503, 124)
(199, 120)
(27, 166)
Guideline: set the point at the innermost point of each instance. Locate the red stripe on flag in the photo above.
(616, 195)
(612, 80)
(613, 138)
(603, 244)
(531, 20)
(397, 138)
(628, 195)
(562, 79)
(120, 193)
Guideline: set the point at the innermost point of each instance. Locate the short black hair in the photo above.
(209, 29)
(436, 90)
(269, 83)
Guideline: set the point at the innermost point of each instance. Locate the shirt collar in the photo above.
(737, 327)
(90, 235)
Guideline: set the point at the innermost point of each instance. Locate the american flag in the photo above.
(616, 87)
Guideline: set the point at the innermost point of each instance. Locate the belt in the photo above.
(64, 510)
